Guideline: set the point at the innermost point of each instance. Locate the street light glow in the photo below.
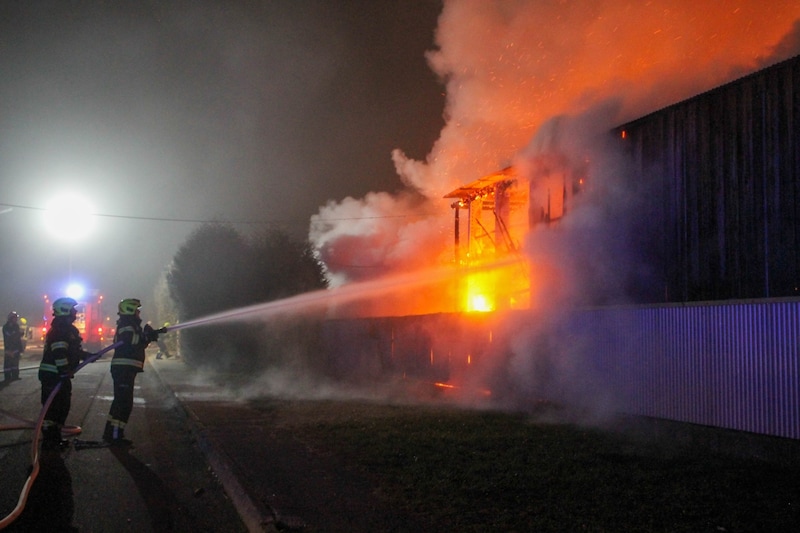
(68, 217)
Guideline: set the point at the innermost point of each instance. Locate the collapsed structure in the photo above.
(493, 205)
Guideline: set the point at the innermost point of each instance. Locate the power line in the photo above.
(161, 219)
(212, 221)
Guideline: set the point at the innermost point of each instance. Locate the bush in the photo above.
(216, 270)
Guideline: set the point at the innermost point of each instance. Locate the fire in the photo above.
(510, 69)
(478, 294)
(504, 285)
(479, 303)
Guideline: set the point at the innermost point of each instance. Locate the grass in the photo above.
(487, 471)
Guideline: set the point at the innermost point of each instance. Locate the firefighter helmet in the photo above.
(64, 306)
(129, 306)
(12, 315)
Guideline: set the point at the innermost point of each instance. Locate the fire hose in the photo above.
(37, 426)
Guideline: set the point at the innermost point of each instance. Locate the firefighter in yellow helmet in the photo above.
(62, 354)
(163, 349)
(127, 362)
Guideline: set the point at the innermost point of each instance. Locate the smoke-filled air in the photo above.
(511, 67)
(538, 86)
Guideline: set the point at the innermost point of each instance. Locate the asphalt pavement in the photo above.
(201, 460)
(169, 480)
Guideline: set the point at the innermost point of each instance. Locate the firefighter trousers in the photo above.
(11, 365)
(57, 413)
(122, 405)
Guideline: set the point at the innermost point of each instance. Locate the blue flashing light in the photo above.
(76, 291)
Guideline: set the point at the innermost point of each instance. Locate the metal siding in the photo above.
(726, 165)
(732, 365)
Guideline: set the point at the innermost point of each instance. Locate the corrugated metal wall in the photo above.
(723, 170)
(729, 365)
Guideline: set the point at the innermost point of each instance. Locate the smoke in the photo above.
(540, 84)
(509, 67)
(596, 253)
(788, 46)
(592, 255)
(380, 234)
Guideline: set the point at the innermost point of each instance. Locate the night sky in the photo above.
(235, 111)
(340, 121)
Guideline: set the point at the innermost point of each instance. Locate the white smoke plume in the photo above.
(589, 256)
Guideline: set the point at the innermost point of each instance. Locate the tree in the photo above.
(210, 271)
(217, 269)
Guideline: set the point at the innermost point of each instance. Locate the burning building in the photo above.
(711, 339)
(652, 238)
(492, 272)
(500, 209)
(713, 185)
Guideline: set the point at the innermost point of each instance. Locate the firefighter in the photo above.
(128, 360)
(63, 352)
(13, 346)
(163, 349)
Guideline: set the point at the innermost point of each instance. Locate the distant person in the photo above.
(13, 346)
(63, 352)
(27, 333)
(163, 349)
(127, 362)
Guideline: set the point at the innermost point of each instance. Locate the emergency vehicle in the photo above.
(95, 328)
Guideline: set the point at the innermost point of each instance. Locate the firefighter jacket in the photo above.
(62, 349)
(12, 337)
(131, 353)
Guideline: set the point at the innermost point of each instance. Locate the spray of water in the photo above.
(292, 375)
(329, 298)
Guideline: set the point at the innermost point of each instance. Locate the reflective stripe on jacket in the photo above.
(62, 349)
(131, 353)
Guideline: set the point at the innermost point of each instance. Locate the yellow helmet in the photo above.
(129, 306)
(64, 306)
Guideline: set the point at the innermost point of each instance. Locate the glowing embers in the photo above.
(461, 390)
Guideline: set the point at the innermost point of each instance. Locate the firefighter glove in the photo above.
(149, 333)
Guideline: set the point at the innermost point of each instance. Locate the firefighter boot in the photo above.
(115, 435)
(108, 433)
(51, 438)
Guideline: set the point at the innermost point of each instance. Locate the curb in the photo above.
(253, 518)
